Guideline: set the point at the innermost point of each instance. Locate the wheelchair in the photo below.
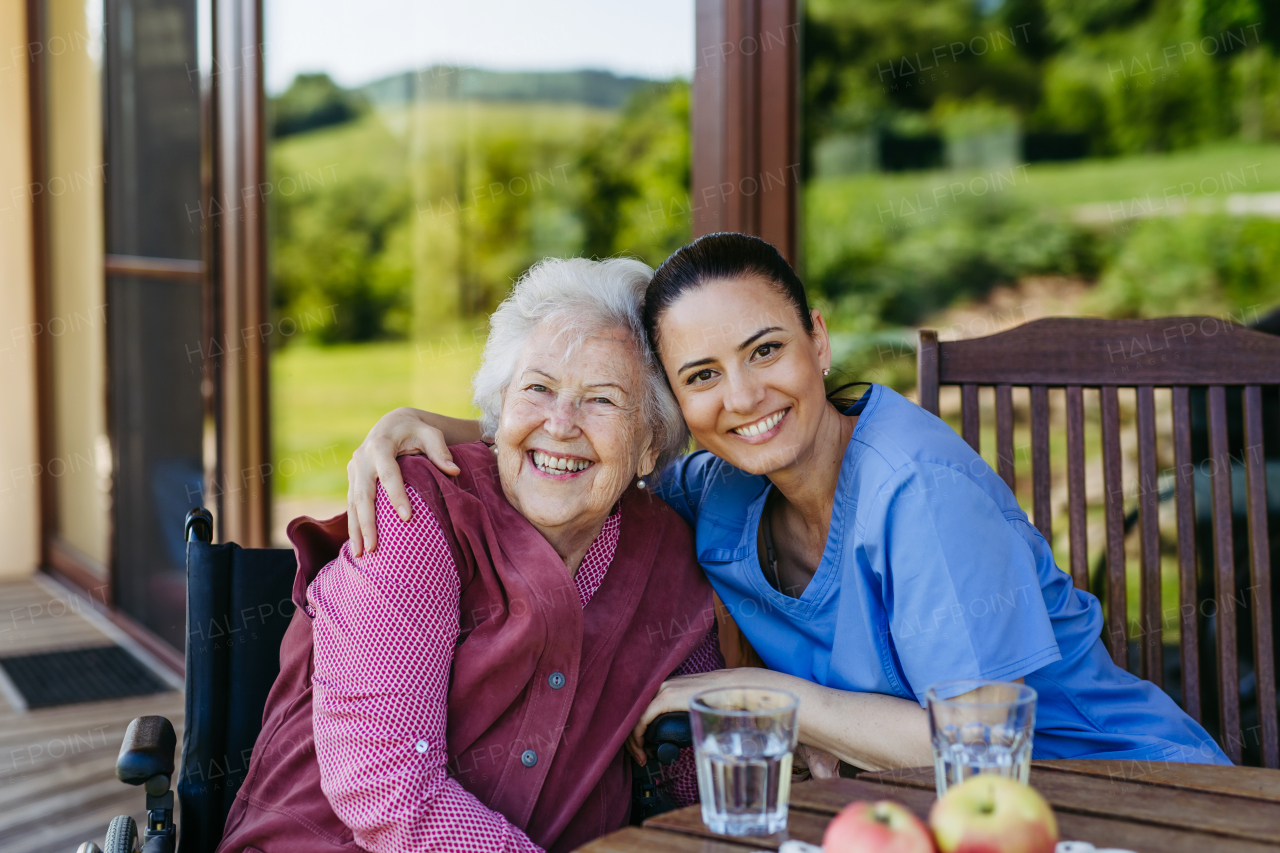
(239, 605)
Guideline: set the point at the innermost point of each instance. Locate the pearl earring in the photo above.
(641, 484)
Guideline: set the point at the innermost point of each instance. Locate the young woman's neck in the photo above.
(809, 484)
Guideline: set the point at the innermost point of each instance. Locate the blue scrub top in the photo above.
(931, 572)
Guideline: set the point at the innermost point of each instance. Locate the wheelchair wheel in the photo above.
(122, 835)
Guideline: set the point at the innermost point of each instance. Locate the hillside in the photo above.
(448, 83)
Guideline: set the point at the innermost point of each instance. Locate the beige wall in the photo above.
(19, 498)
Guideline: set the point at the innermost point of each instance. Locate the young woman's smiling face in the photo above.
(746, 372)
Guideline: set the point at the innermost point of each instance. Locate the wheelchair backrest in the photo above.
(239, 605)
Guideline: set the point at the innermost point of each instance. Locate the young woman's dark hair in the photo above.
(720, 256)
(714, 257)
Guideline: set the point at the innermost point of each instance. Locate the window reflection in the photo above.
(81, 466)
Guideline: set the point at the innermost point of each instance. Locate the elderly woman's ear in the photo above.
(648, 459)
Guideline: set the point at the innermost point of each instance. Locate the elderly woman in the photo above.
(470, 683)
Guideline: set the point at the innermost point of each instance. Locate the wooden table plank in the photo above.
(828, 796)
(802, 825)
(1188, 809)
(1255, 783)
(1143, 838)
(634, 839)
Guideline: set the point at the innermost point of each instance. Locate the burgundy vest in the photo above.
(521, 621)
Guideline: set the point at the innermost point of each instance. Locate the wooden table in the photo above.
(1148, 807)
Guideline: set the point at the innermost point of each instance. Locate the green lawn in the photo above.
(386, 142)
(325, 399)
(1252, 168)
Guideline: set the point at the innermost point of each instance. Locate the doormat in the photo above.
(69, 677)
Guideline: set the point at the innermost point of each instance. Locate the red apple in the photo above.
(881, 827)
(993, 814)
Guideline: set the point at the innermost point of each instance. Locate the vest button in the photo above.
(556, 680)
(528, 758)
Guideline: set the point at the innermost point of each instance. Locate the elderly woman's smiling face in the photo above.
(572, 434)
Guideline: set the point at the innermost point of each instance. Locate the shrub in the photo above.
(1192, 265)
(901, 275)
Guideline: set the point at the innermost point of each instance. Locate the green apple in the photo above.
(989, 813)
(880, 827)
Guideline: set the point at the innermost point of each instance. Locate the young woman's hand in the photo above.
(867, 730)
(401, 432)
(675, 693)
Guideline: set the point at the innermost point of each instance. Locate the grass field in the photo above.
(387, 142)
(866, 210)
(1252, 168)
(325, 399)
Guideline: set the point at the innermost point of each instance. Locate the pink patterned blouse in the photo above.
(383, 755)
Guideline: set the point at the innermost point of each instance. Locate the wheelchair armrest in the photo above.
(667, 735)
(147, 751)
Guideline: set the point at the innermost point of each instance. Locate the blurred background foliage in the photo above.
(438, 204)
(1127, 149)
(1097, 140)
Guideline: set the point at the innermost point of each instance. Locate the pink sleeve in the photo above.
(681, 778)
(384, 632)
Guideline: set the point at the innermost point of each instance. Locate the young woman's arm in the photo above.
(400, 432)
(867, 730)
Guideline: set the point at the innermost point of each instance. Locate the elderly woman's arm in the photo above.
(400, 432)
(384, 630)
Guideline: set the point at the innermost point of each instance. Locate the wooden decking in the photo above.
(57, 765)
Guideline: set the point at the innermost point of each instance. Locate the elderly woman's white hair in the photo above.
(581, 297)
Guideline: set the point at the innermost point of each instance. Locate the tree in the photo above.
(313, 101)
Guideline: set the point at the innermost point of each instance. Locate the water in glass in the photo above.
(955, 759)
(742, 738)
(748, 776)
(980, 727)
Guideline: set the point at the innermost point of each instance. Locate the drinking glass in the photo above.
(742, 739)
(989, 730)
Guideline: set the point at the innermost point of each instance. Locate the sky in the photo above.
(357, 41)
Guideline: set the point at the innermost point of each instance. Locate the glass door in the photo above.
(123, 299)
(155, 300)
(421, 157)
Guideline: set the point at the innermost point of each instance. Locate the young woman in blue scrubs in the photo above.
(866, 554)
